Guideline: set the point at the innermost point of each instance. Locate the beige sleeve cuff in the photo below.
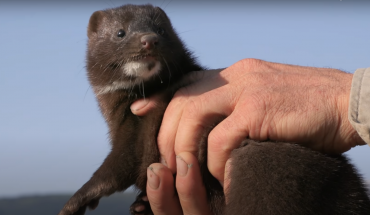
(359, 105)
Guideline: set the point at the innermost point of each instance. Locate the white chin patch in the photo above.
(142, 70)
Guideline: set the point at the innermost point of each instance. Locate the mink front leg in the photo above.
(104, 182)
(118, 171)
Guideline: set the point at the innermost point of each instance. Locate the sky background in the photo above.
(52, 135)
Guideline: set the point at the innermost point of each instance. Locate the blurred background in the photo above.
(52, 135)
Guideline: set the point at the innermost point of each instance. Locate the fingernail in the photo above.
(153, 179)
(182, 166)
(139, 104)
(163, 161)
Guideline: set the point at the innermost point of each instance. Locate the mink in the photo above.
(134, 52)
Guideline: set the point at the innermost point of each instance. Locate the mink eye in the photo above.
(121, 33)
(160, 31)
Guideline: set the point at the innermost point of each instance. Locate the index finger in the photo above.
(172, 116)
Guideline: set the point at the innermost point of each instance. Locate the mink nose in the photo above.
(149, 41)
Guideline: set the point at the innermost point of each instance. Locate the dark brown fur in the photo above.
(267, 178)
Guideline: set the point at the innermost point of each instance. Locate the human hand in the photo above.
(191, 198)
(259, 100)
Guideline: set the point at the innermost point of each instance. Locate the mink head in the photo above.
(131, 46)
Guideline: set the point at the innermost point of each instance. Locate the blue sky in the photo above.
(52, 136)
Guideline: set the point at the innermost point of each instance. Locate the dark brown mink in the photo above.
(133, 51)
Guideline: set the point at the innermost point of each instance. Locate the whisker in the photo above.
(86, 92)
(168, 68)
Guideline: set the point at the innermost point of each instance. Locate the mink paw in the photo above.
(141, 206)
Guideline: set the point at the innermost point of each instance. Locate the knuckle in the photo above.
(216, 171)
(173, 106)
(181, 93)
(179, 148)
(251, 63)
(215, 140)
(162, 139)
(185, 192)
(156, 204)
(192, 109)
(255, 103)
(164, 143)
(180, 97)
(218, 144)
(186, 147)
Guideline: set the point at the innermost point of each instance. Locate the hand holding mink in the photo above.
(133, 52)
(262, 101)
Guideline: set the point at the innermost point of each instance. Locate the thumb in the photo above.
(143, 106)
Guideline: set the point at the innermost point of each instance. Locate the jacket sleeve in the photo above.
(359, 105)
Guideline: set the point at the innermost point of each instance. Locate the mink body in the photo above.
(133, 52)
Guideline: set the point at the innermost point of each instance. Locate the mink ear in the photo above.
(162, 12)
(164, 15)
(94, 23)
